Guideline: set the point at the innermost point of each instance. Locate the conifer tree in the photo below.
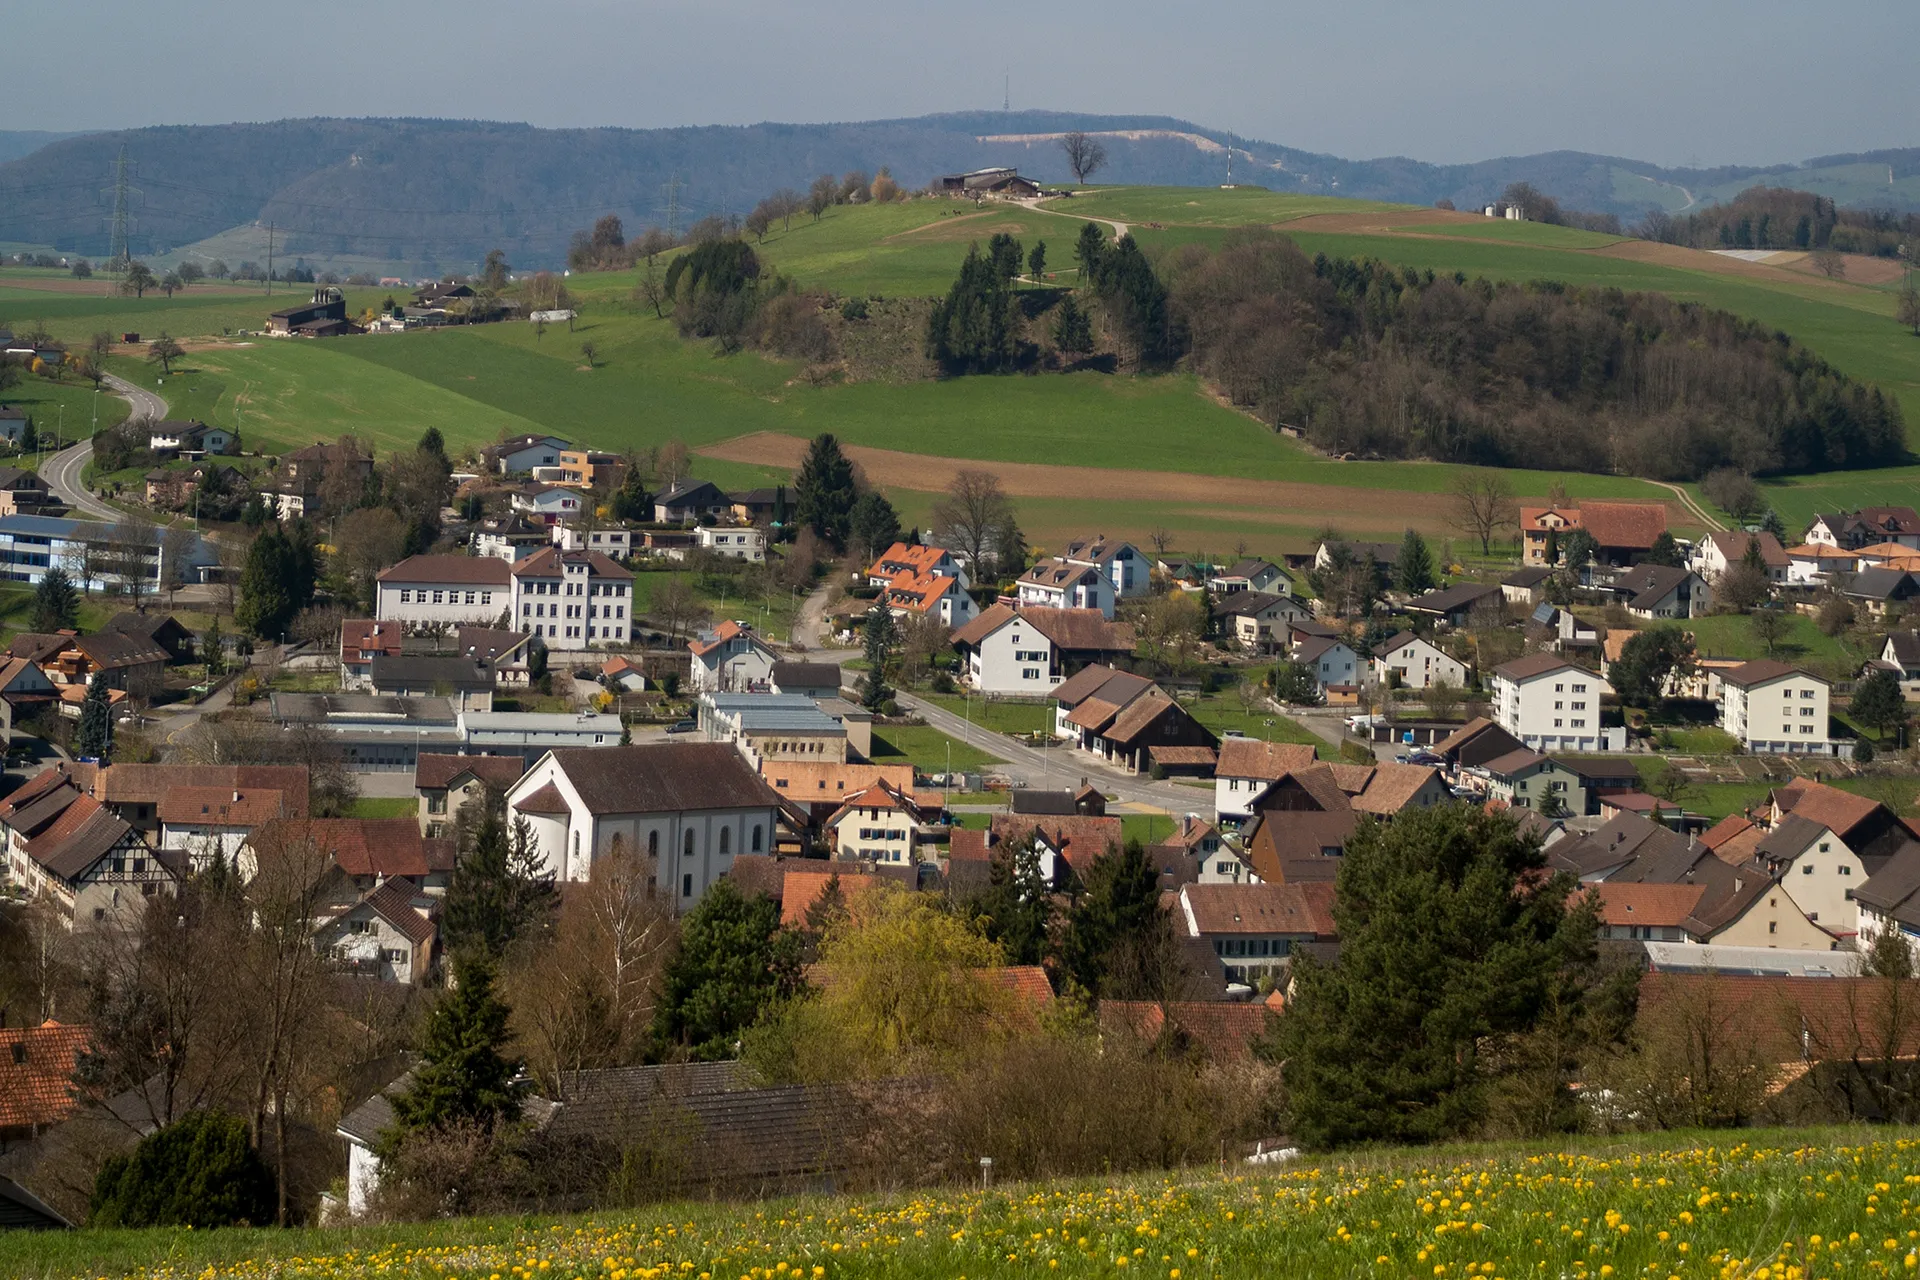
(266, 602)
(1118, 907)
(464, 1074)
(875, 692)
(1018, 904)
(214, 645)
(734, 960)
(824, 491)
(1413, 571)
(500, 888)
(1090, 251)
(94, 738)
(56, 604)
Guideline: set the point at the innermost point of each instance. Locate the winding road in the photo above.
(62, 470)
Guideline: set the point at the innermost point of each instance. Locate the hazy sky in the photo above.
(1717, 81)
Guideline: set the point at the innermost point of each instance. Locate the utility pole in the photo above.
(269, 259)
(673, 185)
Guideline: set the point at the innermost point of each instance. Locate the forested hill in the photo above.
(445, 191)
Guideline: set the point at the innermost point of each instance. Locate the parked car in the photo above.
(682, 726)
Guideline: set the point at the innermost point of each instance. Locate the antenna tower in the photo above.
(1229, 158)
(118, 252)
(1006, 93)
(673, 185)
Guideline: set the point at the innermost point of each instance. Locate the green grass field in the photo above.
(927, 749)
(1204, 206)
(1701, 1206)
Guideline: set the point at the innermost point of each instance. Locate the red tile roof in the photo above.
(1658, 905)
(361, 847)
(1626, 525)
(1305, 909)
(901, 558)
(432, 772)
(545, 799)
(1838, 811)
(36, 1091)
(475, 571)
(364, 637)
(721, 634)
(1222, 1029)
(219, 807)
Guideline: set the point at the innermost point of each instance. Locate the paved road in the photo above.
(62, 470)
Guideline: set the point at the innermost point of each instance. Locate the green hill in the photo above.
(1741, 1203)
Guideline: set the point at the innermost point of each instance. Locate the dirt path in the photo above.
(1686, 500)
(1119, 228)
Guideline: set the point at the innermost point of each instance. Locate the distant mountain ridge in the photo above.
(437, 194)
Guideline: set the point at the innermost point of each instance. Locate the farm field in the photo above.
(1120, 447)
(1797, 1203)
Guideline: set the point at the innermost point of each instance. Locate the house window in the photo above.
(686, 883)
(726, 841)
(686, 847)
(406, 596)
(756, 837)
(1807, 870)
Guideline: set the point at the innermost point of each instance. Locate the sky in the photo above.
(1675, 83)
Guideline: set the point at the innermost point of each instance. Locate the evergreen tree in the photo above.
(1773, 524)
(1449, 939)
(975, 328)
(1118, 908)
(464, 1073)
(93, 740)
(1137, 303)
(56, 605)
(734, 960)
(631, 501)
(1090, 251)
(267, 585)
(29, 438)
(874, 522)
(432, 442)
(499, 890)
(1878, 702)
(1017, 905)
(1006, 254)
(200, 1171)
(1664, 551)
(1413, 572)
(875, 693)
(1752, 558)
(824, 492)
(1037, 262)
(1293, 684)
(214, 649)
(1072, 329)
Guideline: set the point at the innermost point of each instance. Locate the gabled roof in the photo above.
(151, 783)
(1250, 568)
(1058, 574)
(663, 778)
(1790, 837)
(1246, 604)
(806, 675)
(723, 633)
(85, 832)
(1310, 649)
(427, 671)
(901, 556)
(1079, 838)
(491, 644)
(984, 624)
(1652, 905)
(1267, 761)
(1838, 811)
(1140, 714)
(220, 807)
(1453, 599)
(1303, 910)
(113, 650)
(1631, 526)
(36, 1090)
(1733, 547)
(1649, 584)
(686, 490)
(1395, 643)
(1880, 583)
(366, 635)
(434, 772)
(395, 902)
(1763, 671)
(919, 592)
(1115, 688)
(476, 571)
(1079, 630)
(822, 782)
(1528, 578)
(552, 562)
(1513, 762)
(360, 847)
(1222, 1029)
(1537, 664)
(1097, 548)
(1906, 647)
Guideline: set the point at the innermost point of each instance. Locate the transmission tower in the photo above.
(673, 185)
(118, 253)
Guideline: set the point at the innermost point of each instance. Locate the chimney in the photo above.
(236, 797)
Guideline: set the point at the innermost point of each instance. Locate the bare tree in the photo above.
(1160, 538)
(176, 544)
(1483, 505)
(1085, 155)
(1829, 263)
(130, 558)
(675, 463)
(676, 607)
(972, 515)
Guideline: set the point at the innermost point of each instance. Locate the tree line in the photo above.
(1763, 217)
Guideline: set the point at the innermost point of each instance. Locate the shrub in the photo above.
(853, 309)
(199, 1171)
(1862, 751)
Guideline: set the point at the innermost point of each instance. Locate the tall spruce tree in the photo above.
(1118, 908)
(975, 328)
(93, 740)
(267, 586)
(56, 605)
(1413, 571)
(464, 1074)
(1018, 906)
(1090, 251)
(875, 522)
(1451, 939)
(875, 692)
(733, 961)
(500, 889)
(824, 492)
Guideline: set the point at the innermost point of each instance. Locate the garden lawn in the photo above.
(1730, 635)
(1001, 715)
(926, 748)
(1815, 1203)
(385, 807)
(1221, 712)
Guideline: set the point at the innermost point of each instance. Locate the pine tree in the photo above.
(875, 693)
(267, 602)
(200, 1171)
(734, 960)
(464, 1073)
(1018, 905)
(1664, 551)
(1413, 572)
(94, 738)
(1449, 938)
(1090, 250)
(500, 888)
(1118, 908)
(214, 646)
(1072, 330)
(875, 522)
(56, 604)
(824, 491)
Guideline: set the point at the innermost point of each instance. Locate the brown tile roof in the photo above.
(1761, 671)
(968, 845)
(1252, 758)
(803, 886)
(663, 778)
(1079, 838)
(36, 1073)
(360, 847)
(219, 807)
(83, 834)
(1304, 910)
(1141, 714)
(544, 799)
(1628, 525)
(1661, 905)
(550, 562)
(1789, 1019)
(1733, 546)
(150, 783)
(367, 636)
(112, 650)
(1535, 664)
(1093, 715)
(1222, 1029)
(1080, 630)
(984, 624)
(1839, 811)
(1090, 680)
(1186, 757)
(1727, 828)
(476, 571)
(1059, 573)
(395, 902)
(810, 782)
(1391, 787)
(1027, 983)
(34, 788)
(434, 772)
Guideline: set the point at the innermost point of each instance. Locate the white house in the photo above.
(687, 810)
(549, 503)
(510, 538)
(522, 454)
(1775, 709)
(388, 934)
(615, 540)
(1333, 662)
(447, 590)
(1063, 584)
(1662, 591)
(572, 598)
(733, 544)
(1812, 564)
(1818, 871)
(1902, 651)
(1413, 663)
(1549, 703)
(1030, 651)
(1720, 551)
(930, 596)
(733, 658)
(1257, 620)
(880, 825)
(1127, 571)
(691, 500)
(204, 823)
(1247, 767)
(1252, 575)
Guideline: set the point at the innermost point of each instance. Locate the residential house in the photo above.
(1543, 531)
(295, 485)
(590, 469)
(1819, 871)
(24, 690)
(687, 809)
(1126, 570)
(466, 683)
(1873, 590)
(1889, 900)
(1640, 912)
(821, 786)
(1656, 591)
(24, 493)
(917, 561)
(1601, 779)
(13, 419)
(188, 438)
(139, 793)
(1813, 564)
(447, 591)
(805, 679)
(1758, 698)
(546, 504)
(1253, 928)
(1888, 555)
(512, 537)
(577, 598)
(1262, 576)
(621, 674)
(1548, 703)
(128, 664)
(1063, 584)
(1455, 606)
(174, 489)
(1336, 668)
(1901, 653)
(882, 824)
(766, 507)
(930, 596)
(1856, 529)
(1525, 779)
(1247, 767)
(615, 540)
(1405, 661)
(390, 933)
(1623, 532)
(1130, 721)
(746, 544)
(1066, 845)
(1382, 554)
(162, 629)
(1721, 550)
(1030, 651)
(364, 852)
(519, 455)
(1301, 822)
(732, 657)
(1257, 621)
(509, 655)
(361, 641)
(37, 1065)
(205, 824)
(70, 850)
(984, 182)
(1527, 587)
(690, 502)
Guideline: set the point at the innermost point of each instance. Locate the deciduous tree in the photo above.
(1085, 154)
(972, 512)
(163, 351)
(1483, 506)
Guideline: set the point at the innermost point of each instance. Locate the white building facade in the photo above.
(1774, 709)
(1549, 703)
(444, 590)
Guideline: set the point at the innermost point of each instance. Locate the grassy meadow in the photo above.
(1736, 1205)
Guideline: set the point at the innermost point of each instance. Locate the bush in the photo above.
(1862, 751)
(943, 683)
(1356, 753)
(853, 309)
(199, 1171)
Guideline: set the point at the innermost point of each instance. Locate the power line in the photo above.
(118, 253)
